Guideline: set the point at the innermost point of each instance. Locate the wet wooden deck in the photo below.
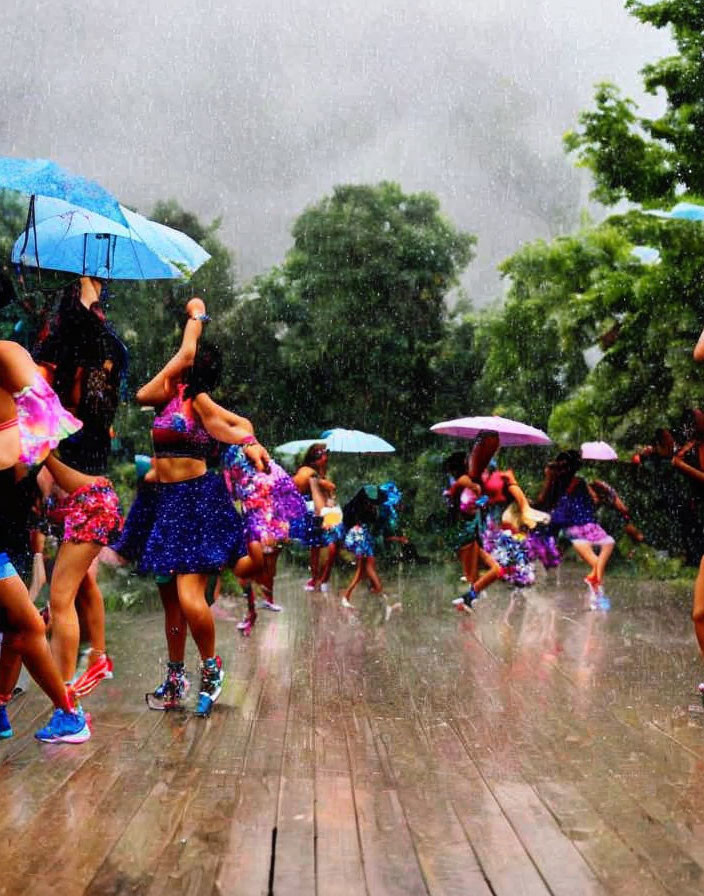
(530, 749)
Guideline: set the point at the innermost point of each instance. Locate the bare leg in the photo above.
(315, 564)
(604, 554)
(191, 596)
(698, 606)
(252, 563)
(356, 578)
(71, 565)
(26, 638)
(329, 563)
(91, 609)
(491, 575)
(586, 552)
(373, 575)
(175, 627)
(469, 558)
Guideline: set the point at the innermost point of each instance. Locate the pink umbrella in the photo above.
(511, 432)
(598, 451)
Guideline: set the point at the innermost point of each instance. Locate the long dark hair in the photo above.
(206, 372)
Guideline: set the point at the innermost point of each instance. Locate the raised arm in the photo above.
(230, 428)
(161, 387)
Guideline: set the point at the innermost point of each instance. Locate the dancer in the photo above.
(362, 520)
(510, 517)
(689, 459)
(183, 524)
(270, 502)
(32, 422)
(312, 482)
(85, 361)
(572, 507)
(466, 501)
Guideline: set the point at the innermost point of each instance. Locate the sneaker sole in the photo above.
(79, 738)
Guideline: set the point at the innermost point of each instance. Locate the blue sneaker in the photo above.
(5, 726)
(211, 678)
(465, 601)
(65, 727)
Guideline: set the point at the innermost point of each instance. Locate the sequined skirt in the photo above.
(182, 527)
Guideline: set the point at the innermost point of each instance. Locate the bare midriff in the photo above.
(178, 469)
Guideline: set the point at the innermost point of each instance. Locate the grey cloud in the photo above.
(251, 111)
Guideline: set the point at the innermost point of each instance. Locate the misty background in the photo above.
(252, 111)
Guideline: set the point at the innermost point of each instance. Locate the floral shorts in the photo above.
(91, 514)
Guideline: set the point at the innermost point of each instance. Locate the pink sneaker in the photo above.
(91, 678)
(310, 585)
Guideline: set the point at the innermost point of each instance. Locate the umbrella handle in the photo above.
(31, 221)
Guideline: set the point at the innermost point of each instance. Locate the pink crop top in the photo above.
(177, 431)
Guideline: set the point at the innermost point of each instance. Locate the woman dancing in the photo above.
(312, 482)
(467, 518)
(183, 525)
(572, 507)
(32, 422)
(85, 361)
(510, 517)
(363, 517)
(270, 502)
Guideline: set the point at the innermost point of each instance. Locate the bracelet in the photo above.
(249, 440)
(203, 318)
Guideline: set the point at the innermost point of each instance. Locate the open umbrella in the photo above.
(66, 237)
(510, 432)
(598, 451)
(291, 449)
(354, 441)
(41, 177)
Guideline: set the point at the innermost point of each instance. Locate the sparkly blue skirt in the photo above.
(182, 527)
(308, 530)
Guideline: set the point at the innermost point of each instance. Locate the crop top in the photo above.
(177, 431)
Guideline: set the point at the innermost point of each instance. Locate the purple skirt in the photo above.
(182, 527)
(590, 532)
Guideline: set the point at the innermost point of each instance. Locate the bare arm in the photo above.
(698, 352)
(679, 462)
(230, 428)
(160, 388)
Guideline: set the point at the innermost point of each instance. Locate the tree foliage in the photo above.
(649, 160)
(358, 310)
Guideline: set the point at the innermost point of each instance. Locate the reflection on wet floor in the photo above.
(535, 746)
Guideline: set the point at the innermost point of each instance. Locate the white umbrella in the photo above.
(598, 451)
(354, 441)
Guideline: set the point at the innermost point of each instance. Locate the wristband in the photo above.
(203, 318)
(249, 440)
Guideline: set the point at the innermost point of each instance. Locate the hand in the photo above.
(195, 306)
(259, 456)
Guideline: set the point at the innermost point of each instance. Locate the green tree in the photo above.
(359, 309)
(650, 160)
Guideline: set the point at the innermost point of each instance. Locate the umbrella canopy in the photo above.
(69, 238)
(511, 432)
(296, 447)
(172, 246)
(41, 177)
(354, 441)
(598, 451)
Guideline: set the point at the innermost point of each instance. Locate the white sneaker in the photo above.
(325, 587)
(269, 605)
(346, 604)
(457, 601)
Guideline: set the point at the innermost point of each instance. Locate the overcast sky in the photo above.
(252, 109)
